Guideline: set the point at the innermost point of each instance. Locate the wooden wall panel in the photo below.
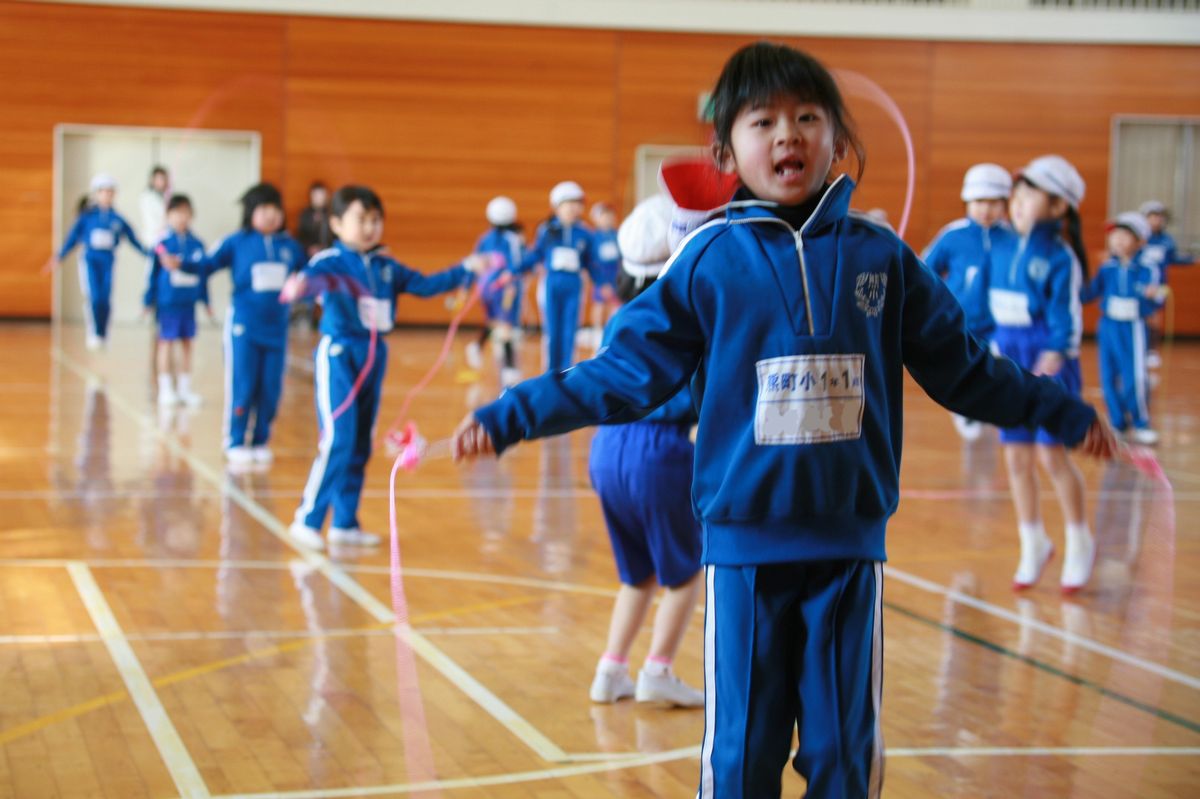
(441, 117)
(107, 66)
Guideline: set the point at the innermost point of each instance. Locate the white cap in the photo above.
(986, 182)
(1054, 174)
(643, 237)
(565, 192)
(1153, 207)
(501, 211)
(103, 180)
(1132, 221)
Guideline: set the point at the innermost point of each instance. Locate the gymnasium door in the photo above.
(212, 167)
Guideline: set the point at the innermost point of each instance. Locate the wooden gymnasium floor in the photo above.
(158, 638)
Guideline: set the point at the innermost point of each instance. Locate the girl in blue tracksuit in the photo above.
(608, 262)
(1160, 251)
(642, 472)
(501, 291)
(564, 247)
(358, 288)
(1033, 296)
(1127, 290)
(100, 230)
(259, 257)
(963, 249)
(173, 293)
(796, 319)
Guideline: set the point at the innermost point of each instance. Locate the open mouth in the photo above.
(789, 168)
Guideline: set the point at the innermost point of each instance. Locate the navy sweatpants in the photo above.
(793, 645)
(253, 383)
(561, 318)
(96, 281)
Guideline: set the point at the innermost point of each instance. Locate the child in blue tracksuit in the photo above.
(501, 291)
(1033, 291)
(608, 263)
(1127, 290)
(259, 257)
(173, 293)
(962, 250)
(358, 288)
(1160, 251)
(100, 230)
(642, 472)
(564, 247)
(796, 319)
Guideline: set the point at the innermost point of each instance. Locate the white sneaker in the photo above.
(1033, 561)
(93, 342)
(611, 685)
(1078, 561)
(1145, 436)
(969, 429)
(474, 356)
(667, 688)
(1153, 359)
(239, 456)
(352, 537)
(510, 376)
(261, 455)
(306, 536)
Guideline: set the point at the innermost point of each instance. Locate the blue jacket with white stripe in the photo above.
(258, 264)
(359, 290)
(1160, 253)
(798, 340)
(563, 250)
(960, 254)
(1034, 284)
(99, 230)
(178, 288)
(1120, 287)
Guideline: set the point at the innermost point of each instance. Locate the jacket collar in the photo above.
(832, 208)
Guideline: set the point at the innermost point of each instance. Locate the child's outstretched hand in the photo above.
(293, 288)
(476, 263)
(470, 440)
(1049, 363)
(51, 264)
(1100, 441)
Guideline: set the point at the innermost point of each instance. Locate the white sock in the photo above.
(611, 665)
(1035, 551)
(1079, 557)
(656, 667)
(164, 385)
(185, 383)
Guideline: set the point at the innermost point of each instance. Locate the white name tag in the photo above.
(808, 399)
(375, 314)
(564, 259)
(609, 251)
(183, 280)
(1009, 308)
(1154, 254)
(102, 239)
(1123, 309)
(268, 276)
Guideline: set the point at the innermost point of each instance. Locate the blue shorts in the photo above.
(504, 305)
(642, 473)
(176, 323)
(1023, 347)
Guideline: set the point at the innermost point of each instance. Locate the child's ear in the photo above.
(335, 224)
(839, 150)
(723, 157)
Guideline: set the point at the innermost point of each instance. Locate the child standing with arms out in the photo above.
(1160, 253)
(359, 289)
(500, 290)
(1033, 291)
(608, 263)
(259, 257)
(564, 246)
(796, 320)
(642, 472)
(1128, 292)
(962, 251)
(100, 230)
(173, 293)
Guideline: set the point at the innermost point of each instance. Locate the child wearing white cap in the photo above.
(1159, 253)
(1128, 292)
(962, 251)
(642, 472)
(564, 247)
(1033, 291)
(100, 230)
(500, 291)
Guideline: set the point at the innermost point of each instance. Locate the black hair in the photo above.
(759, 72)
(158, 169)
(179, 201)
(629, 287)
(317, 184)
(346, 196)
(1072, 228)
(256, 195)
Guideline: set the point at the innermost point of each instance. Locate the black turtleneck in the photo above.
(794, 215)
